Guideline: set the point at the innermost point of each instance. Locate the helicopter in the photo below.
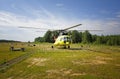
(63, 40)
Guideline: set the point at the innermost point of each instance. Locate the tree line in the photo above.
(2, 40)
(82, 37)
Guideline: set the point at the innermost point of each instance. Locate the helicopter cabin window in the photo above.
(66, 39)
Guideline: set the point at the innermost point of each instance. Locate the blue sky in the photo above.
(57, 14)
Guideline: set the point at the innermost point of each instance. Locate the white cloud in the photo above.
(10, 21)
(59, 4)
(105, 12)
(46, 19)
(108, 27)
(118, 16)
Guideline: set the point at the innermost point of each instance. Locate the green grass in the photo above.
(100, 62)
(6, 54)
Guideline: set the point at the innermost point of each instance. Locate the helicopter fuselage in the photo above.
(63, 40)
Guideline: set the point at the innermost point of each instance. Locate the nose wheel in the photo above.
(52, 47)
(68, 47)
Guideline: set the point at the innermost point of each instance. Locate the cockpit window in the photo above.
(66, 38)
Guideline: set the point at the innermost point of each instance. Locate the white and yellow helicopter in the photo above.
(63, 39)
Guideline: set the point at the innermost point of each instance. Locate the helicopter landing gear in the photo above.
(68, 47)
(52, 47)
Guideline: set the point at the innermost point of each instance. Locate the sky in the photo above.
(57, 14)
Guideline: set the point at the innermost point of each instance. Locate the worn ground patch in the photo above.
(96, 61)
(36, 61)
(10, 78)
(103, 58)
(78, 74)
(117, 65)
(62, 73)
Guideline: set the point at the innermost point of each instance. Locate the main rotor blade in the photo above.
(33, 28)
(87, 30)
(49, 29)
(72, 27)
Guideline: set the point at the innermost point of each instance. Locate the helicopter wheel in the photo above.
(68, 47)
(52, 47)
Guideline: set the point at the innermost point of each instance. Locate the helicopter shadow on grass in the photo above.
(75, 49)
(80, 48)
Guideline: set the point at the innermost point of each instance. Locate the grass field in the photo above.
(88, 62)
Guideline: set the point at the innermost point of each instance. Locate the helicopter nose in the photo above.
(67, 43)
